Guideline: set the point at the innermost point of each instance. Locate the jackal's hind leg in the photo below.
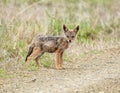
(37, 58)
(37, 61)
(34, 54)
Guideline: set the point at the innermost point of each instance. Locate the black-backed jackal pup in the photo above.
(51, 44)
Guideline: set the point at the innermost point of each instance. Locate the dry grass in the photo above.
(21, 20)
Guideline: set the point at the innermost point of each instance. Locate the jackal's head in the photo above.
(70, 34)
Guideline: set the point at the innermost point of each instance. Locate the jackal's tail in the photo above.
(29, 52)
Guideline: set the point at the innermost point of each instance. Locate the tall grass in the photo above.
(21, 20)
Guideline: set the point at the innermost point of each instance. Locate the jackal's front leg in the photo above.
(59, 60)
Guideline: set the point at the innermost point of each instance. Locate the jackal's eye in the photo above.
(67, 36)
(73, 36)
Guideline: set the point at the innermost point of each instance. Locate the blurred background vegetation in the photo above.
(21, 20)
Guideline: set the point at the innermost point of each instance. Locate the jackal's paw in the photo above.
(59, 68)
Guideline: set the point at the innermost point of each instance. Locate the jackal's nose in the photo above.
(69, 41)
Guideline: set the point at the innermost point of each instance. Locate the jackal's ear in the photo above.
(76, 29)
(65, 28)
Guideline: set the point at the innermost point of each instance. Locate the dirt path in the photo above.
(93, 73)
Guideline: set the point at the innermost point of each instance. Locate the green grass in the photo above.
(55, 26)
(47, 18)
(47, 60)
(4, 73)
(106, 2)
(33, 66)
(47, 64)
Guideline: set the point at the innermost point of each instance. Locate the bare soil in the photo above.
(93, 73)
